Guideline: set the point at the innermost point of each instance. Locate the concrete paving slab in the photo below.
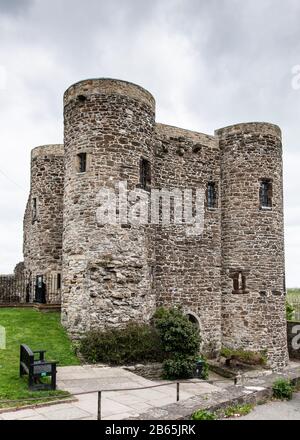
(115, 405)
(72, 413)
(15, 414)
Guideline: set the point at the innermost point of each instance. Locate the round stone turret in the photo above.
(44, 217)
(253, 285)
(109, 127)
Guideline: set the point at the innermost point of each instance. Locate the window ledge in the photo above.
(266, 208)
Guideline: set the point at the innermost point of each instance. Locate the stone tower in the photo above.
(109, 127)
(253, 300)
(44, 216)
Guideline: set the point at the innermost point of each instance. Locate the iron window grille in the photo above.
(211, 195)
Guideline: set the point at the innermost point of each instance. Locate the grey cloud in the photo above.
(14, 6)
(208, 63)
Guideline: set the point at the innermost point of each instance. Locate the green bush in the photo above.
(290, 311)
(132, 344)
(203, 415)
(283, 389)
(177, 333)
(179, 367)
(180, 340)
(205, 369)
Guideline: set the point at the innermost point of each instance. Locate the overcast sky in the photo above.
(209, 63)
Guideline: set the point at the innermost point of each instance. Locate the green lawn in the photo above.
(293, 294)
(40, 331)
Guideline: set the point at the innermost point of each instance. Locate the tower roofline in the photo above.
(109, 86)
(48, 150)
(262, 127)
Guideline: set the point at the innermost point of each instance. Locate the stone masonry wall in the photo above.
(106, 268)
(188, 267)
(253, 241)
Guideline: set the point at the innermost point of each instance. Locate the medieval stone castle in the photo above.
(229, 279)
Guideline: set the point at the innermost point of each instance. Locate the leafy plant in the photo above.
(283, 389)
(180, 341)
(238, 410)
(203, 415)
(177, 333)
(134, 343)
(290, 311)
(179, 367)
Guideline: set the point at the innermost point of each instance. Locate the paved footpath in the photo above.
(115, 405)
(276, 410)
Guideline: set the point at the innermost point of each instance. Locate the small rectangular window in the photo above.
(81, 162)
(265, 193)
(211, 195)
(145, 174)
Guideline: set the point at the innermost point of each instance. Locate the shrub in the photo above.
(180, 341)
(203, 415)
(290, 311)
(132, 344)
(179, 367)
(283, 389)
(177, 333)
(248, 357)
(205, 370)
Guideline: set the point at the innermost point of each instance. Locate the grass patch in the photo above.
(293, 300)
(283, 389)
(238, 410)
(204, 415)
(40, 331)
(293, 294)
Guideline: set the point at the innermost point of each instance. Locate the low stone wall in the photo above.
(254, 391)
(149, 371)
(293, 334)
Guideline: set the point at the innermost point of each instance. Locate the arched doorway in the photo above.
(194, 319)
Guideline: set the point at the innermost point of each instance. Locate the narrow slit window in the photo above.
(145, 173)
(34, 209)
(239, 282)
(81, 162)
(266, 193)
(211, 195)
(58, 281)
